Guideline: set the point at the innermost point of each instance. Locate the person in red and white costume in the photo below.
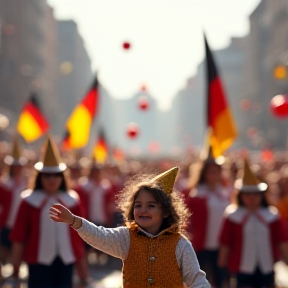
(12, 187)
(50, 250)
(207, 203)
(252, 235)
(96, 195)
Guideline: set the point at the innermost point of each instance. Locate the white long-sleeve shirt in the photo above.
(116, 242)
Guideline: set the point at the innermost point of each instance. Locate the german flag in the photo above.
(100, 151)
(32, 124)
(79, 124)
(219, 117)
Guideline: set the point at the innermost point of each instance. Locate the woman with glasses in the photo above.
(49, 249)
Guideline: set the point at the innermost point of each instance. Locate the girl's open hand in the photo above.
(59, 213)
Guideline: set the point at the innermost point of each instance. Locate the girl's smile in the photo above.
(147, 212)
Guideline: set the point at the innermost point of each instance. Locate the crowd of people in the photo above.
(232, 210)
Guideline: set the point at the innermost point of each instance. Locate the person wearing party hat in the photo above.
(13, 185)
(49, 249)
(207, 202)
(151, 246)
(252, 235)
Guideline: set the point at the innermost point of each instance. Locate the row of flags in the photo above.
(222, 130)
(32, 124)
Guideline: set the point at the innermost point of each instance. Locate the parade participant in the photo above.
(207, 202)
(5, 200)
(96, 196)
(153, 250)
(10, 198)
(252, 235)
(50, 250)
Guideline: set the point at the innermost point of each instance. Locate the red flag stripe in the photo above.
(91, 101)
(216, 101)
(35, 112)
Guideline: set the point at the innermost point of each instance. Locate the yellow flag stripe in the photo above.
(28, 127)
(79, 125)
(100, 154)
(224, 133)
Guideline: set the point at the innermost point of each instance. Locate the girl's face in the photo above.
(147, 212)
(251, 200)
(213, 174)
(51, 182)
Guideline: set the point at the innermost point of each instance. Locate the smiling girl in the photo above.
(153, 250)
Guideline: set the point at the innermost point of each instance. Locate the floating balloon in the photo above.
(132, 130)
(143, 103)
(126, 45)
(279, 106)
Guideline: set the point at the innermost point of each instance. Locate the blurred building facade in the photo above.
(31, 52)
(22, 54)
(73, 67)
(266, 48)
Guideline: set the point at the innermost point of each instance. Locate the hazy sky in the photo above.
(165, 35)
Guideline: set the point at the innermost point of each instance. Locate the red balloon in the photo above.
(132, 130)
(279, 106)
(143, 103)
(126, 45)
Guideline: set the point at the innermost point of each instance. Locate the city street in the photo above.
(105, 277)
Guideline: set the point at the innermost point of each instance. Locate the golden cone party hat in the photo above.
(249, 182)
(167, 179)
(15, 157)
(52, 162)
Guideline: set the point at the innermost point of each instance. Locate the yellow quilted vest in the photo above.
(151, 262)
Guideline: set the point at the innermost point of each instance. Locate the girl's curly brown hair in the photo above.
(172, 205)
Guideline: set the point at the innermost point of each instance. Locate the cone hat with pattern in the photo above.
(249, 182)
(167, 179)
(52, 162)
(15, 157)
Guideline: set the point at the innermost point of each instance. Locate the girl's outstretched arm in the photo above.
(113, 241)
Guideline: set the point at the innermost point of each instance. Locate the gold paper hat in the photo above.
(52, 162)
(249, 182)
(167, 179)
(15, 157)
